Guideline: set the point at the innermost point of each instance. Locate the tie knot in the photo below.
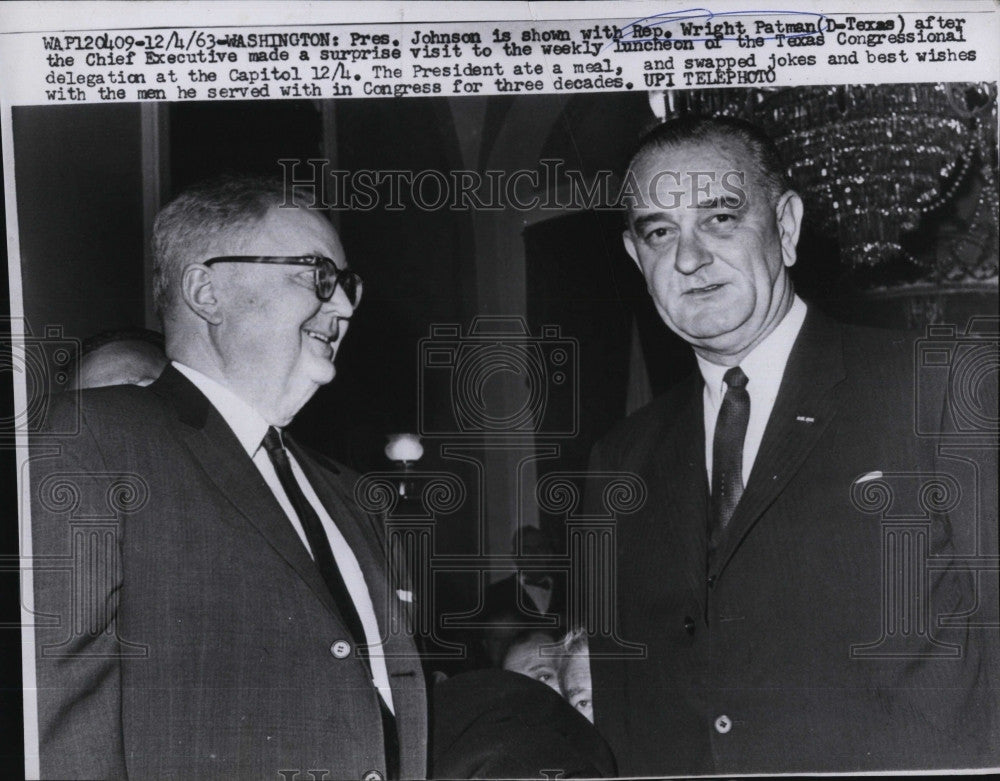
(272, 440)
(735, 379)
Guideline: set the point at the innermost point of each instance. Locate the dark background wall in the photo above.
(79, 209)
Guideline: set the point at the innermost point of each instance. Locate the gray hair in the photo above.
(771, 173)
(204, 214)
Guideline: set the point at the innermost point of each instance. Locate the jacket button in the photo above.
(711, 581)
(341, 649)
(689, 625)
(723, 724)
(372, 775)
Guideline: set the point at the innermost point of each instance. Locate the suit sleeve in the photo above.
(948, 698)
(77, 580)
(963, 597)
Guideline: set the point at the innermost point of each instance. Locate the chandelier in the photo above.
(872, 160)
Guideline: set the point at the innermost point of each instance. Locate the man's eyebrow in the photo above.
(730, 202)
(648, 219)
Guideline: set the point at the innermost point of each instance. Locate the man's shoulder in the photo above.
(886, 386)
(115, 406)
(888, 347)
(325, 462)
(347, 481)
(883, 364)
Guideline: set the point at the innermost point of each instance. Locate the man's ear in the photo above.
(788, 213)
(629, 241)
(199, 293)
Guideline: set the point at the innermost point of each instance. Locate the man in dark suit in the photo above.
(786, 626)
(210, 601)
(533, 596)
(533, 590)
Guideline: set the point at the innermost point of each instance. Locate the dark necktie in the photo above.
(323, 555)
(727, 453)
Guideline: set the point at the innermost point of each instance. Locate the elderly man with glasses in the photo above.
(235, 622)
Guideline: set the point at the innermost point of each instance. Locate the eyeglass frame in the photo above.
(352, 289)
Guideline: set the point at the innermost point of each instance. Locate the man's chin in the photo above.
(708, 330)
(298, 394)
(323, 374)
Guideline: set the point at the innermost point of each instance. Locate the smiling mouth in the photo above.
(705, 289)
(325, 339)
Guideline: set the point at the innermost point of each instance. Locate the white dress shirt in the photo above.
(764, 367)
(250, 428)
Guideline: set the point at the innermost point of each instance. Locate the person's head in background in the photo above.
(530, 545)
(132, 356)
(574, 674)
(524, 655)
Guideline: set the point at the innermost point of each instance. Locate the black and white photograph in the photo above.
(500, 391)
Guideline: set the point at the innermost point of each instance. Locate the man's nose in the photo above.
(691, 253)
(339, 310)
(339, 303)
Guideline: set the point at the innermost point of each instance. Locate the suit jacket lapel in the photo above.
(214, 445)
(364, 535)
(350, 521)
(684, 482)
(806, 405)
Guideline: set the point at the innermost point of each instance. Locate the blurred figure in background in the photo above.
(533, 592)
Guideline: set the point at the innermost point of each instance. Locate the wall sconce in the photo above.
(404, 450)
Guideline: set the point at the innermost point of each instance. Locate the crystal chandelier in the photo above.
(872, 160)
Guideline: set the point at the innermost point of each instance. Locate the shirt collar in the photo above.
(246, 423)
(544, 581)
(765, 364)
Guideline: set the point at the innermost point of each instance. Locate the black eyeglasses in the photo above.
(326, 275)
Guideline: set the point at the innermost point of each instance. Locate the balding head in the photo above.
(121, 358)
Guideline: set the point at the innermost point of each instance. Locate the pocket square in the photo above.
(404, 595)
(869, 476)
